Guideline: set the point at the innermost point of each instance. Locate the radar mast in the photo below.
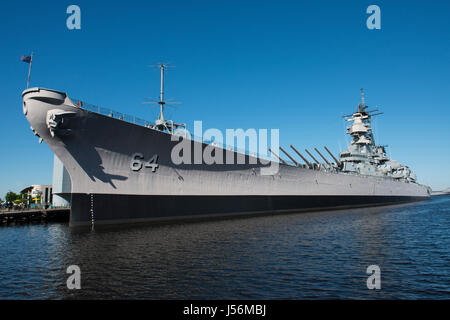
(161, 123)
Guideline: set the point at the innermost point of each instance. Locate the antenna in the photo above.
(161, 101)
(362, 97)
(161, 123)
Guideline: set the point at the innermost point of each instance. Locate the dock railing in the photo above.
(32, 208)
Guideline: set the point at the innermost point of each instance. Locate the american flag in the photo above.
(26, 59)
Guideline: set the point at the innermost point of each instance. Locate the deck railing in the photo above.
(144, 123)
(111, 113)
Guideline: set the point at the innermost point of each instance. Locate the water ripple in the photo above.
(298, 256)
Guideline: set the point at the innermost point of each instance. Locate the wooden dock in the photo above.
(36, 215)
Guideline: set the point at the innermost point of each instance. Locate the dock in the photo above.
(35, 215)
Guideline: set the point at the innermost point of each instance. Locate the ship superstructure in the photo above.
(363, 156)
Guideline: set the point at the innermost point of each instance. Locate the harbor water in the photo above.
(320, 255)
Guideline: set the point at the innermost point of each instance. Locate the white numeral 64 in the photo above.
(137, 160)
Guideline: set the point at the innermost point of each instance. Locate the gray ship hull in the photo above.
(97, 151)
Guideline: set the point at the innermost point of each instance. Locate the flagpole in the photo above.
(29, 70)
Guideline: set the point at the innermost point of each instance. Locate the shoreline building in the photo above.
(39, 194)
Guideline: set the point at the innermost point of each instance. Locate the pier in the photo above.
(36, 215)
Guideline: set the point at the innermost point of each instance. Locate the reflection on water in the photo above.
(296, 256)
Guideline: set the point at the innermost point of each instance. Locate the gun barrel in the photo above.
(289, 156)
(329, 152)
(322, 156)
(301, 156)
(281, 160)
(315, 160)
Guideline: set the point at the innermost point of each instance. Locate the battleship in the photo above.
(121, 170)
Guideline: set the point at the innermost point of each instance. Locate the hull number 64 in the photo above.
(137, 161)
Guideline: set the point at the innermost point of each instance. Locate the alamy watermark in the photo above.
(374, 280)
(74, 20)
(74, 280)
(374, 20)
(233, 150)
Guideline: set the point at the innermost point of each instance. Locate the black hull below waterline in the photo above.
(112, 209)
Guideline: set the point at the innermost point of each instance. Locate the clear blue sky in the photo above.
(293, 65)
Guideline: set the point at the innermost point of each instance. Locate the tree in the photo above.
(11, 196)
